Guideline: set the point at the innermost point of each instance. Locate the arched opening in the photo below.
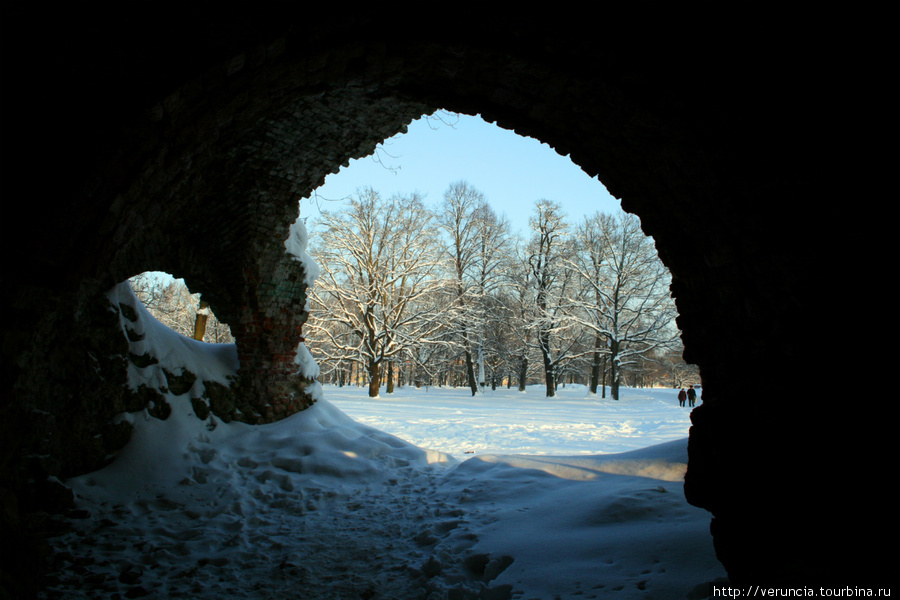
(190, 150)
(477, 187)
(172, 303)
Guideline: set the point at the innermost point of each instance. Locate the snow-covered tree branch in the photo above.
(378, 261)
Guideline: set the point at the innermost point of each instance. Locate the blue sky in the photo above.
(510, 170)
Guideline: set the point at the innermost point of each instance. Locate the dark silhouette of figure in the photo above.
(682, 396)
(692, 395)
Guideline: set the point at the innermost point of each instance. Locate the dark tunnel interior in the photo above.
(180, 140)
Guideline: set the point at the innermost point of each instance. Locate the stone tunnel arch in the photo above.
(188, 151)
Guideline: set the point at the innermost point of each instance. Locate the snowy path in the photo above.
(338, 511)
(256, 533)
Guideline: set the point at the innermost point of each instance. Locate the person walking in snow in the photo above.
(682, 396)
(692, 395)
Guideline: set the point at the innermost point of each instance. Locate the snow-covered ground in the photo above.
(419, 495)
(506, 421)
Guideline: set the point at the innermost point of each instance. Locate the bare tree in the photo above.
(623, 295)
(378, 261)
(520, 301)
(476, 250)
(546, 256)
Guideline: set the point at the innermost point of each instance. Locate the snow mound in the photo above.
(186, 511)
(319, 442)
(665, 462)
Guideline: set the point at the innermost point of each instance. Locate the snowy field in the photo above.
(420, 495)
(506, 421)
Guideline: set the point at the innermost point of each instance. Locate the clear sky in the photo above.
(512, 171)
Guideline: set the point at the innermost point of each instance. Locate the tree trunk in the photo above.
(482, 378)
(523, 371)
(374, 383)
(603, 376)
(200, 321)
(470, 372)
(549, 376)
(595, 373)
(389, 377)
(613, 370)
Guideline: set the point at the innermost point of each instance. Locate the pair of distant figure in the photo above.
(690, 396)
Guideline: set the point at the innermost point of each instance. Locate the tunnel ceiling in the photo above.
(160, 161)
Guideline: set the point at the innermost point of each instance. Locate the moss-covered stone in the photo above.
(201, 408)
(221, 400)
(160, 409)
(180, 384)
(142, 398)
(142, 361)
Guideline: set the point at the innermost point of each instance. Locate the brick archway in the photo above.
(187, 144)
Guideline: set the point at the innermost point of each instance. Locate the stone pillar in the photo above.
(270, 318)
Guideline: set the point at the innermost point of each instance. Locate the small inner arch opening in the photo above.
(171, 302)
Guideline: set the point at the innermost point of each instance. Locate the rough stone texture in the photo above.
(183, 142)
